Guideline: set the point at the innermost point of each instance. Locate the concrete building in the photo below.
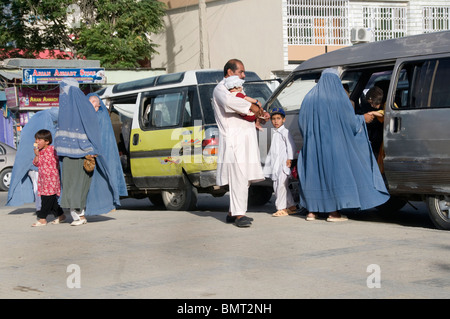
(272, 37)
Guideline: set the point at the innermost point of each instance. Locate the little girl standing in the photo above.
(49, 186)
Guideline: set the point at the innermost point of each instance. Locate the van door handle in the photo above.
(396, 124)
(135, 139)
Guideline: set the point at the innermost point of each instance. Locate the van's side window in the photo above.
(425, 85)
(187, 116)
(167, 109)
(163, 110)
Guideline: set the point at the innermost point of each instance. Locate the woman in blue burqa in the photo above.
(22, 189)
(337, 169)
(79, 130)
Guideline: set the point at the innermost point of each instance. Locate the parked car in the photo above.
(414, 72)
(7, 157)
(168, 137)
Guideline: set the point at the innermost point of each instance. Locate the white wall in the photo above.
(249, 30)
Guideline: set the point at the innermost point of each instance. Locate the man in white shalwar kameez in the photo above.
(238, 162)
(278, 163)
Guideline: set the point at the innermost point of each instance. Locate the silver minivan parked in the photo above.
(414, 74)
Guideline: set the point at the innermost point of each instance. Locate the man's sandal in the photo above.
(291, 210)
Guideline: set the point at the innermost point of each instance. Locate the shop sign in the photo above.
(31, 97)
(54, 76)
(11, 97)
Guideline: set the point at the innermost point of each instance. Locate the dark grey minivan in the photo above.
(414, 73)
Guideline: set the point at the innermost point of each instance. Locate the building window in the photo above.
(318, 22)
(435, 19)
(386, 22)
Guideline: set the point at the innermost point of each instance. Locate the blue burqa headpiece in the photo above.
(78, 132)
(337, 168)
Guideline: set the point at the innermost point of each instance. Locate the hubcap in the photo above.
(7, 179)
(443, 209)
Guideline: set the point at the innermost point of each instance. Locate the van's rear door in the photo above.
(417, 130)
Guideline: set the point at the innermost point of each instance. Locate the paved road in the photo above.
(140, 251)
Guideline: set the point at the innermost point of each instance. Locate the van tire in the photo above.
(259, 195)
(156, 199)
(393, 205)
(439, 212)
(183, 199)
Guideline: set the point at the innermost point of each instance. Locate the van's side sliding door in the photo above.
(417, 127)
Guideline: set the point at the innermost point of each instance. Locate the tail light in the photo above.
(210, 144)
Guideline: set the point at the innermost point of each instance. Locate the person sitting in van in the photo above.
(235, 85)
(375, 118)
(347, 90)
(375, 98)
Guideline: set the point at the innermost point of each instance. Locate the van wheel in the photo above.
(183, 199)
(259, 195)
(393, 205)
(156, 199)
(439, 210)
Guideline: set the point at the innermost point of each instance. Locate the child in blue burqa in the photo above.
(336, 166)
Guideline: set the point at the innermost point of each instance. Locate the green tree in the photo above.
(118, 33)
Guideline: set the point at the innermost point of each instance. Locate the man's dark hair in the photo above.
(45, 135)
(231, 65)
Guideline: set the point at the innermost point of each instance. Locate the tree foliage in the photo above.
(118, 33)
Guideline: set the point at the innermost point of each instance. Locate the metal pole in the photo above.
(204, 52)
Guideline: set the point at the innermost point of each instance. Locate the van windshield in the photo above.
(292, 94)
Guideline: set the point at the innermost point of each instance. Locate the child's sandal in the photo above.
(38, 224)
(58, 221)
(280, 213)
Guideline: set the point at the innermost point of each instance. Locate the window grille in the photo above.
(435, 19)
(318, 22)
(386, 22)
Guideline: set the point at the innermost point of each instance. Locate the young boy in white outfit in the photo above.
(278, 163)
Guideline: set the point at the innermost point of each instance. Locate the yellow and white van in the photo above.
(168, 137)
